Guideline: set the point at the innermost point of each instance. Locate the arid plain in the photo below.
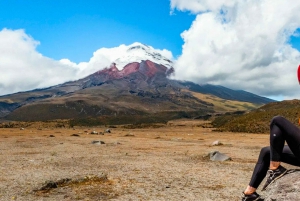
(164, 162)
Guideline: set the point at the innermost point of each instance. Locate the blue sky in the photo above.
(295, 40)
(244, 45)
(75, 29)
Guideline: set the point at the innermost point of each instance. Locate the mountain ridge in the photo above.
(142, 90)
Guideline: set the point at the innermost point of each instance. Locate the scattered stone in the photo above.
(285, 188)
(94, 132)
(129, 135)
(216, 143)
(107, 131)
(217, 156)
(21, 128)
(97, 142)
(76, 135)
(51, 136)
(176, 139)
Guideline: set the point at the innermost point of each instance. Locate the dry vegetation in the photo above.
(258, 121)
(223, 105)
(163, 162)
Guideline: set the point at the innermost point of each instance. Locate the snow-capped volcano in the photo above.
(138, 52)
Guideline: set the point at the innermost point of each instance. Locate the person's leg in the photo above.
(281, 131)
(260, 170)
(262, 166)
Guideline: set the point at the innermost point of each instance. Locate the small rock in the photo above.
(217, 156)
(107, 131)
(129, 135)
(97, 142)
(216, 143)
(51, 136)
(76, 135)
(94, 132)
(21, 128)
(176, 139)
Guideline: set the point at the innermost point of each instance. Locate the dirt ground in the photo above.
(163, 163)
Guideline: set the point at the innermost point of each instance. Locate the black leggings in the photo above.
(281, 131)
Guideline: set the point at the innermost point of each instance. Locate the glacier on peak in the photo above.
(138, 52)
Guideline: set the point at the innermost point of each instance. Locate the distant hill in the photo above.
(227, 94)
(140, 92)
(258, 120)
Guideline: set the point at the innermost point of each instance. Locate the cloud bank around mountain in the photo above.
(241, 45)
(23, 68)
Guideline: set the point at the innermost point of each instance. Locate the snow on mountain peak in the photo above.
(137, 52)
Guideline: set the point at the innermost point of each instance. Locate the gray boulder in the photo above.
(285, 188)
(217, 156)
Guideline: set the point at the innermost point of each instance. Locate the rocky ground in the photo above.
(163, 163)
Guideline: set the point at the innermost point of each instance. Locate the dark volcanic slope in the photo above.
(139, 90)
(227, 93)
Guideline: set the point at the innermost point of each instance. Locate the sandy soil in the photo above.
(141, 164)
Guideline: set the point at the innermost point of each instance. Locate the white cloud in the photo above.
(197, 6)
(23, 68)
(241, 45)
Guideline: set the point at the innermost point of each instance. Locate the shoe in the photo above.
(253, 197)
(274, 175)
